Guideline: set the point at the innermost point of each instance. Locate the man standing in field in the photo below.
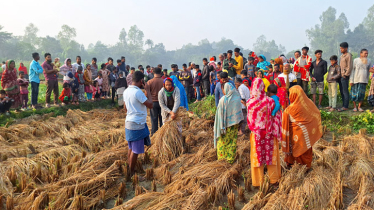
(318, 70)
(78, 63)
(35, 70)
(205, 77)
(346, 65)
(302, 66)
(153, 87)
(228, 65)
(239, 63)
(50, 75)
(298, 75)
(137, 133)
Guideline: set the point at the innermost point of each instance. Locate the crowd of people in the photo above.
(270, 99)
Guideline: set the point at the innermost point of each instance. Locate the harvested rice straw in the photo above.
(292, 179)
(9, 203)
(78, 203)
(118, 202)
(40, 202)
(154, 186)
(365, 196)
(141, 202)
(361, 167)
(197, 201)
(138, 190)
(261, 197)
(122, 190)
(336, 200)
(168, 143)
(231, 200)
(241, 197)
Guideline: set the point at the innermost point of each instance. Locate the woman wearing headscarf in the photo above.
(261, 75)
(228, 116)
(87, 76)
(301, 128)
(169, 99)
(264, 138)
(262, 64)
(282, 92)
(183, 96)
(10, 85)
(24, 70)
(65, 69)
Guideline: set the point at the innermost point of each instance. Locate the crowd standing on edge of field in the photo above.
(270, 98)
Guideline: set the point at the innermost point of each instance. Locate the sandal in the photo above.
(332, 110)
(329, 107)
(355, 109)
(342, 109)
(361, 110)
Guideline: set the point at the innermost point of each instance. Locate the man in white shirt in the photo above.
(3, 66)
(292, 79)
(245, 95)
(78, 63)
(137, 132)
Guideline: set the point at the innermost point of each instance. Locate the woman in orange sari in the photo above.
(301, 128)
(264, 136)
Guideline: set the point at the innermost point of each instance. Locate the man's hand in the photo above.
(173, 115)
(351, 84)
(243, 102)
(313, 79)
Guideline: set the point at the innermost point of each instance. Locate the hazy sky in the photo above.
(178, 22)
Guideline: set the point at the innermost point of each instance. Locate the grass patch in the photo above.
(205, 109)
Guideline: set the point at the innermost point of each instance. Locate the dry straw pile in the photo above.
(80, 162)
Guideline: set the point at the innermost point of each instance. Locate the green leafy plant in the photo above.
(365, 120)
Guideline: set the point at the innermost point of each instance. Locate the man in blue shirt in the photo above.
(35, 70)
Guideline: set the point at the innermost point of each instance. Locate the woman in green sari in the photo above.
(228, 116)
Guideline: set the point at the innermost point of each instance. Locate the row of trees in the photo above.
(325, 36)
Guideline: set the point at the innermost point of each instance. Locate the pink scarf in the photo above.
(260, 121)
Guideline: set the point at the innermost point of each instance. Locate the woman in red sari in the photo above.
(10, 85)
(24, 69)
(282, 92)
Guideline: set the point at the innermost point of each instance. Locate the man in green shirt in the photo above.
(228, 65)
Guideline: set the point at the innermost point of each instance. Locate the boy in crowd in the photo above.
(5, 103)
(333, 76)
(245, 95)
(197, 83)
(318, 69)
(250, 68)
(185, 77)
(244, 76)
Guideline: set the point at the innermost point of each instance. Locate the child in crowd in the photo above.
(96, 90)
(219, 67)
(65, 96)
(165, 71)
(87, 76)
(113, 77)
(246, 83)
(212, 79)
(5, 103)
(197, 82)
(120, 86)
(79, 76)
(272, 92)
(244, 75)
(99, 80)
(74, 87)
(23, 86)
(333, 76)
(250, 68)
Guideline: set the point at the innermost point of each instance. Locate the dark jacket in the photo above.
(74, 85)
(318, 71)
(334, 71)
(186, 78)
(197, 79)
(120, 82)
(205, 73)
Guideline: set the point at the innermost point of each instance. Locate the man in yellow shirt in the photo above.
(239, 60)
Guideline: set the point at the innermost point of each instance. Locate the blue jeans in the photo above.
(212, 87)
(343, 87)
(34, 93)
(198, 96)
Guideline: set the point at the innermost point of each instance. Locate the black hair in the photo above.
(110, 59)
(229, 51)
(218, 73)
(225, 54)
(334, 58)
(257, 68)
(80, 68)
(305, 48)
(21, 72)
(118, 61)
(46, 54)
(165, 70)
(94, 83)
(270, 66)
(65, 85)
(103, 65)
(94, 59)
(251, 58)
(100, 74)
(298, 51)
(159, 66)
(78, 56)
(140, 66)
(205, 59)
(224, 75)
(141, 69)
(157, 70)
(197, 66)
(184, 65)
(239, 80)
(214, 57)
(148, 66)
(172, 65)
(132, 68)
(34, 55)
(237, 50)
(344, 45)
(241, 54)
(88, 64)
(137, 76)
(282, 55)
(4, 61)
(318, 51)
(276, 64)
(2, 92)
(364, 50)
(189, 63)
(123, 57)
(219, 63)
(273, 89)
(244, 72)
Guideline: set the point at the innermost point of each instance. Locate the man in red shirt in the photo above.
(302, 65)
